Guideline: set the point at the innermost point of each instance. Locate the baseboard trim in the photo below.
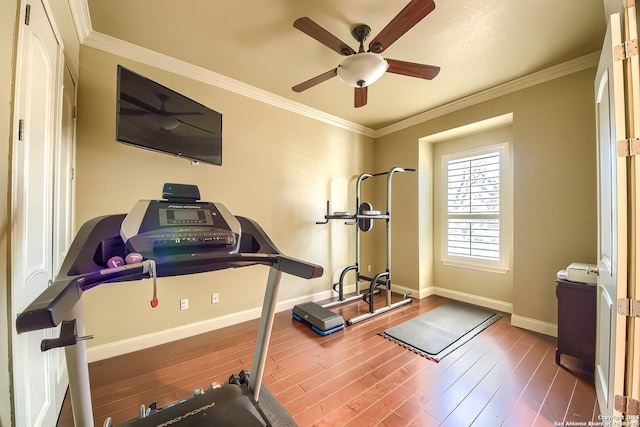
(129, 345)
(527, 323)
(505, 307)
(421, 293)
(534, 325)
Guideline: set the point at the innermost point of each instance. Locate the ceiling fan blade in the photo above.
(186, 113)
(412, 13)
(412, 69)
(139, 103)
(133, 112)
(360, 97)
(316, 80)
(310, 28)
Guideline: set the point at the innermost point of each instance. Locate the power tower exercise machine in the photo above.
(178, 235)
(319, 317)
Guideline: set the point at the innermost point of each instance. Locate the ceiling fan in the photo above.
(360, 69)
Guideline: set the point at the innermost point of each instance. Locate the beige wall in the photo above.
(279, 169)
(405, 221)
(554, 189)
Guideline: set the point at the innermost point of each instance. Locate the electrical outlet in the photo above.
(184, 304)
(215, 298)
(369, 268)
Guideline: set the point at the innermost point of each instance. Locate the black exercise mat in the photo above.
(441, 330)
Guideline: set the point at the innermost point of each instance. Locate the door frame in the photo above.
(632, 93)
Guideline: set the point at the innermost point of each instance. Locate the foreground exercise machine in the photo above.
(178, 235)
(319, 317)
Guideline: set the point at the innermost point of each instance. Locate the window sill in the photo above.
(475, 266)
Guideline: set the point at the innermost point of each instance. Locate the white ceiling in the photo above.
(477, 44)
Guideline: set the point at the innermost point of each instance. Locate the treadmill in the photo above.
(178, 235)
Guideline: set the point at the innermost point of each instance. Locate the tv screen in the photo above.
(152, 116)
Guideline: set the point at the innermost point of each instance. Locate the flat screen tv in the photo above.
(152, 116)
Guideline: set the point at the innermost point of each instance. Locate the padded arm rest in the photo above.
(49, 309)
(299, 268)
(54, 304)
(285, 264)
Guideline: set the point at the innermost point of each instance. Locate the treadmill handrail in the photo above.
(50, 308)
(53, 305)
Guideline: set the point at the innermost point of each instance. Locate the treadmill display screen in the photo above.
(160, 228)
(185, 217)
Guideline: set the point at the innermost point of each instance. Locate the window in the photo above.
(474, 231)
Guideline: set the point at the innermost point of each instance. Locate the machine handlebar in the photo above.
(80, 272)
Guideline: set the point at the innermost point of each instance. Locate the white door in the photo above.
(38, 383)
(612, 223)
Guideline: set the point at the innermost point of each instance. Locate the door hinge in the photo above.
(74, 113)
(21, 130)
(27, 14)
(625, 50)
(626, 405)
(628, 147)
(629, 307)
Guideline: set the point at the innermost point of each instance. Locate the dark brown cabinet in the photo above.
(576, 320)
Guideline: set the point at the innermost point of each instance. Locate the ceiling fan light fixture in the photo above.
(165, 122)
(362, 69)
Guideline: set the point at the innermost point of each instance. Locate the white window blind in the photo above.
(473, 206)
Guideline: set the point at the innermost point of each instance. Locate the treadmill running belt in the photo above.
(230, 406)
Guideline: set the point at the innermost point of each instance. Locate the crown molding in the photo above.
(552, 73)
(90, 38)
(81, 18)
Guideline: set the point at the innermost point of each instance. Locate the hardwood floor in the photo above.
(505, 376)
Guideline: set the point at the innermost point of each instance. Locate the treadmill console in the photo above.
(169, 227)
